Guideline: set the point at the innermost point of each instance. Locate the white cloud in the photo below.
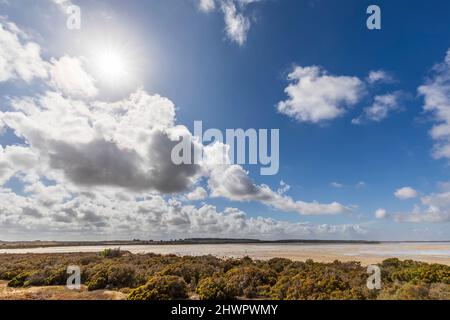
(406, 193)
(93, 167)
(126, 144)
(336, 185)
(382, 106)
(315, 96)
(434, 208)
(14, 159)
(379, 76)
(432, 215)
(237, 23)
(233, 182)
(63, 4)
(68, 75)
(381, 214)
(103, 214)
(198, 193)
(206, 5)
(19, 58)
(436, 93)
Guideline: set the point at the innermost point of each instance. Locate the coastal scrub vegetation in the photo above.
(163, 277)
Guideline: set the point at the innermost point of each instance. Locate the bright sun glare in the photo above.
(112, 67)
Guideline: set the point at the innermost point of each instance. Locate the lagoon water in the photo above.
(438, 252)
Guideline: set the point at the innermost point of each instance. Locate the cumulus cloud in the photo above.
(126, 144)
(436, 94)
(198, 193)
(102, 214)
(14, 159)
(89, 166)
(406, 193)
(68, 75)
(381, 107)
(315, 96)
(19, 58)
(233, 182)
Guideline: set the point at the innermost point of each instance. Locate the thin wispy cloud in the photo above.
(381, 108)
(235, 15)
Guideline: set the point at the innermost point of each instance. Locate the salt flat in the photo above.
(432, 252)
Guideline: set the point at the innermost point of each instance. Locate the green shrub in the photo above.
(312, 286)
(191, 272)
(121, 276)
(245, 280)
(278, 264)
(9, 275)
(37, 278)
(214, 278)
(428, 273)
(98, 281)
(161, 288)
(57, 276)
(215, 288)
(19, 280)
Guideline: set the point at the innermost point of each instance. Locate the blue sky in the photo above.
(183, 52)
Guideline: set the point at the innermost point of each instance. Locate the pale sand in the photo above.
(56, 293)
(364, 253)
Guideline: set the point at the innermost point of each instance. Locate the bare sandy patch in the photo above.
(56, 293)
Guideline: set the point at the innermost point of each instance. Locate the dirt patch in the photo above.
(56, 293)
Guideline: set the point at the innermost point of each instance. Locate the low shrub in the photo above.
(121, 276)
(161, 288)
(245, 280)
(98, 281)
(57, 276)
(174, 277)
(19, 280)
(191, 272)
(215, 288)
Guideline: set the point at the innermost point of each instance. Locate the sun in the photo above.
(112, 66)
(115, 58)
